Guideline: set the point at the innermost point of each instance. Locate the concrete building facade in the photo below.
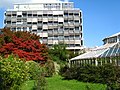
(57, 22)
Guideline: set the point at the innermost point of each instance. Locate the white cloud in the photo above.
(9, 3)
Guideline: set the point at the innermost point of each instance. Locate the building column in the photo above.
(96, 62)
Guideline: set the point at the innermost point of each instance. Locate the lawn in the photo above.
(57, 83)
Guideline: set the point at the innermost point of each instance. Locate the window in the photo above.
(76, 14)
(29, 22)
(29, 15)
(66, 37)
(50, 31)
(72, 45)
(44, 30)
(66, 14)
(44, 22)
(39, 15)
(34, 15)
(55, 37)
(34, 22)
(55, 15)
(60, 15)
(39, 28)
(24, 14)
(76, 28)
(119, 37)
(77, 44)
(55, 22)
(30, 28)
(14, 15)
(70, 13)
(24, 28)
(8, 22)
(77, 37)
(76, 21)
(44, 15)
(13, 29)
(61, 37)
(50, 15)
(50, 38)
(71, 37)
(19, 15)
(40, 22)
(50, 22)
(18, 29)
(13, 22)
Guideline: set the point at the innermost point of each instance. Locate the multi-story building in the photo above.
(55, 22)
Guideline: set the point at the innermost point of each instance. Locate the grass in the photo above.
(28, 85)
(57, 83)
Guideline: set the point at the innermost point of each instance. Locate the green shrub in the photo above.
(106, 74)
(37, 73)
(35, 70)
(13, 72)
(49, 68)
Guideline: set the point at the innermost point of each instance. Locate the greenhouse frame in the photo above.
(107, 53)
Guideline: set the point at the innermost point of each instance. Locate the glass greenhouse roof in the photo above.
(106, 50)
(113, 51)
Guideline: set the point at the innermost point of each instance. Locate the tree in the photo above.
(23, 44)
(59, 52)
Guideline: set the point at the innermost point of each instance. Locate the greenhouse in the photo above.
(107, 53)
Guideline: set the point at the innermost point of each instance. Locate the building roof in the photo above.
(113, 51)
(113, 35)
(97, 52)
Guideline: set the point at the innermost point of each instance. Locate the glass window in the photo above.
(14, 29)
(66, 37)
(29, 15)
(119, 37)
(76, 28)
(18, 29)
(55, 37)
(61, 37)
(24, 28)
(77, 37)
(50, 38)
(76, 21)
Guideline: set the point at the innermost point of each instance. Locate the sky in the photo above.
(101, 18)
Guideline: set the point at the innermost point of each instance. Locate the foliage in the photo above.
(13, 72)
(37, 73)
(49, 68)
(35, 70)
(106, 74)
(59, 52)
(23, 44)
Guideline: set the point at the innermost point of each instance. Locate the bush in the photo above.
(35, 70)
(49, 68)
(37, 73)
(106, 74)
(13, 72)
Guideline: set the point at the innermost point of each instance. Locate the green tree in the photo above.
(59, 53)
(13, 72)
